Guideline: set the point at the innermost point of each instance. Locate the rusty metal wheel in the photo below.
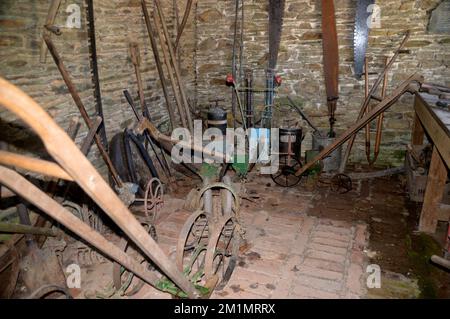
(153, 198)
(192, 245)
(125, 282)
(222, 252)
(48, 291)
(341, 183)
(218, 195)
(285, 176)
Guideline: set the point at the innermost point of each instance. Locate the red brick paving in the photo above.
(290, 255)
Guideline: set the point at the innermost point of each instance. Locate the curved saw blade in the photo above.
(94, 69)
(361, 34)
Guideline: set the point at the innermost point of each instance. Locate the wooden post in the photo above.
(437, 177)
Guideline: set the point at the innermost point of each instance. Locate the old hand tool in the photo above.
(361, 34)
(379, 121)
(412, 85)
(369, 97)
(330, 60)
(94, 70)
(52, 12)
(76, 97)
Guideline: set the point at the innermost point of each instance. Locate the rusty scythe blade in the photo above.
(94, 70)
(330, 59)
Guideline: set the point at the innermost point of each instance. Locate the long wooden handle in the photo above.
(158, 63)
(174, 64)
(52, 12)
(77, 99)
(183, 23)
(34, 165)
(26, 229)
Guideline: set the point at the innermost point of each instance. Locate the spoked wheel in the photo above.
(125, 282)
(341, 183)
(191, 247)
(222, 252)
(285, 176)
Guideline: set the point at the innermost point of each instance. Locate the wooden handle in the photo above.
(134, 54)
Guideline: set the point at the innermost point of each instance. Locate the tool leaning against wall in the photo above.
(81, 170)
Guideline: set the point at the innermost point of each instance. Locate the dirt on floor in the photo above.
(382, 203)
(392, 220)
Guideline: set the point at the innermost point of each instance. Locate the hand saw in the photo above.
(94, 70)
(330, 59)
(361, 34)
(276, 11)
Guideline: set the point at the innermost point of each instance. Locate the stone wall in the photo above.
(117, 23)
(300, 59)
(205, 58)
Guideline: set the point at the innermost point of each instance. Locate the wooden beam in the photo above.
(77, 99)
(34, 165)
(437, 176)
(437, 132)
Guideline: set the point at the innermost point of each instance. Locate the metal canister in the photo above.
(217, 117)
(332, 162)
(293, 136)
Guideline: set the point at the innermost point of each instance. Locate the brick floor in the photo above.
(289, 255)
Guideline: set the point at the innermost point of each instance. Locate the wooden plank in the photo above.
(436, 130)
(437, 177)
(444, 213)
(34, 165)
(418, 131)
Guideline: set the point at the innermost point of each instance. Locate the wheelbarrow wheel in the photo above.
(285, 176)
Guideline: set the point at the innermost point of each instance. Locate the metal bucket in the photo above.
(332, 161)
(295, 135)
(217, 118)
